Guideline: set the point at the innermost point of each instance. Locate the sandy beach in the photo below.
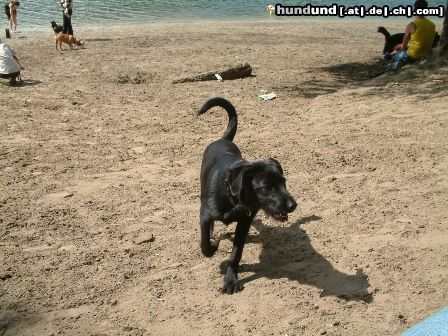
(99, 187)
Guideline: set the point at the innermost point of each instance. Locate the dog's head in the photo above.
(80, 43)
(261, 184)
(53, 24)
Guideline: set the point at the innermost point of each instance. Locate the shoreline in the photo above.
(298, 20)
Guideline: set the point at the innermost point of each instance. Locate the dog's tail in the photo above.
(384, 31)
(230, 132)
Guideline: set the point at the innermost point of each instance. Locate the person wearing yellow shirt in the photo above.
(417, 41)
(418, 35)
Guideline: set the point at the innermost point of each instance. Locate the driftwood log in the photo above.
(238, 71)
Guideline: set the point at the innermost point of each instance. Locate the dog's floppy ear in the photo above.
(275, 163)
(235, 177)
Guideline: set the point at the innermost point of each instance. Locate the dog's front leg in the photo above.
(208, 246)
(231, 282)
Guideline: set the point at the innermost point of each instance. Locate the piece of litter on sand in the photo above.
(218, 77)
(268, 96)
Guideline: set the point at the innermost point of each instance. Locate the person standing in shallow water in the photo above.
(13, 5)
(67, 12)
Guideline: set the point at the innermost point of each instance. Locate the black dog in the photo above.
(56, 28)
(233, 190)
(393, 40)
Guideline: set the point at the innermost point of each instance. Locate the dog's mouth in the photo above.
(277, 215)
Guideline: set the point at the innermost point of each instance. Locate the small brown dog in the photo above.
(68, 39)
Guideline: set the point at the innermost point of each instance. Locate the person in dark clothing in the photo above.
(67, 6)
(7, 11)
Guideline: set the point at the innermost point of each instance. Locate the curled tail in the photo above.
(230, 132)
(384, 31)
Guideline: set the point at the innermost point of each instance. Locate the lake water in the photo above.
(36, 14)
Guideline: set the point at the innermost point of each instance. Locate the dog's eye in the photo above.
(267, 188)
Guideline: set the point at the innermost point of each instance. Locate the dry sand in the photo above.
(100, 151)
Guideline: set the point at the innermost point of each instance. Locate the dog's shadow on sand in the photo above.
(287, 253)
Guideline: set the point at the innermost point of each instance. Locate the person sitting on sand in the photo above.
(9, 64)
(417, 41)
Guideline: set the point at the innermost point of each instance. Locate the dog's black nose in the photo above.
(291, 205)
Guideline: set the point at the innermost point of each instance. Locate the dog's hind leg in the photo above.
(231, 282)
(208, 247)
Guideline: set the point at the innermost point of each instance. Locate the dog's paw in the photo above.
(214, 244)
(231, 283)
(232, 287)
(209, 250)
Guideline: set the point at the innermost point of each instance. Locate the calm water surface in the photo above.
(36, 14)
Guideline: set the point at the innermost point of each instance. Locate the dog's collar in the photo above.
(233, 200)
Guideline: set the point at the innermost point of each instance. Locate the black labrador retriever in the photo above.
(233, 190)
